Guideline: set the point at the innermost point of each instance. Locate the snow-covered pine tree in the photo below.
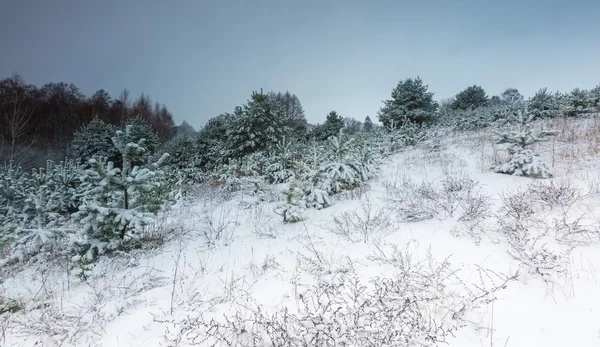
(523, 161)
(256, 126)
(37, 206)
(594, 99)
(211, 142)
(578, 102)
(292, 210)
(545, 105)
(282, 162)
(118, 200)
(368, 125)
(138, 128)
(94, 140)
(470, 98)
(410, 101)
(333, 125)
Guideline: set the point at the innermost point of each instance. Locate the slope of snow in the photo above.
(144, 298)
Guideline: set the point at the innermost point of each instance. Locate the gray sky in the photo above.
(202, 58)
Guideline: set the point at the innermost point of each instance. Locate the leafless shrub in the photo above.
(474, 230)
(553, 194)
(356, 193)
(576, 231)
(261, 223)
(476, 208)
(422, 304)
(527, 235)
(362, 224)
(409, 200)
(535, 254)
(218, 226)
(70, 324)
(267, 264)
(445, 197)
(517, 205)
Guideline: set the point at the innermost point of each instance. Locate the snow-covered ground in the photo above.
(496, 261)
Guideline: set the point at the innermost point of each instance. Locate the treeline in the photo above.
(38, 123)
(257, 126)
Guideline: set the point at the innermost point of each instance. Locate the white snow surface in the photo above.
(134, 299)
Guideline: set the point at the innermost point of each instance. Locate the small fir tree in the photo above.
(118, 200)
(545, 105)
(256, 126)
(94, 140)
(410, 101)
(368, 125)
(523, 161)
(333, 125)
(471, 98)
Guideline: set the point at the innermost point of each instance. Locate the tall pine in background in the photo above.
(410, 101)
(256, 126)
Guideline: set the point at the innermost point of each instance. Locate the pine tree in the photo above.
(118, 200)
(94, 140)
(211, 142)
(368, 125)
(495, 101)
(523, 161)
(255, 127)
(333, 125)
(282, 162)
(578, 102)
(410, 101)
(470, 98)
(594, 99)
(544, 105)
(137, 129)
(36, 206)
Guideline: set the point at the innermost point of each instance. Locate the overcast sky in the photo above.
(202, 58)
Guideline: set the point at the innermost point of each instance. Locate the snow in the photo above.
(146, 297)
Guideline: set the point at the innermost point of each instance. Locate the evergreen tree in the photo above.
(118, 200)
(211, 141)
(368, 125)
(578, 102)
(410, 101)
(255, 127)
(94, 140)
(523, 161)
(333, 125)
(495, 101)
(594, 99)
(543, 104)
(35, 207)
(470, 98)
(137, 129)
(185, 130)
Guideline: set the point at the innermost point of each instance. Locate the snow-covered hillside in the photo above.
(435, 248)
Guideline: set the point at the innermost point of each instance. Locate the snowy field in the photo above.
(435, 249)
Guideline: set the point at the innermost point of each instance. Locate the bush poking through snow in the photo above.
(218, 226)
(446, 197)
(562, 194)
(524, 225)
(420, 305)
(362, 224)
